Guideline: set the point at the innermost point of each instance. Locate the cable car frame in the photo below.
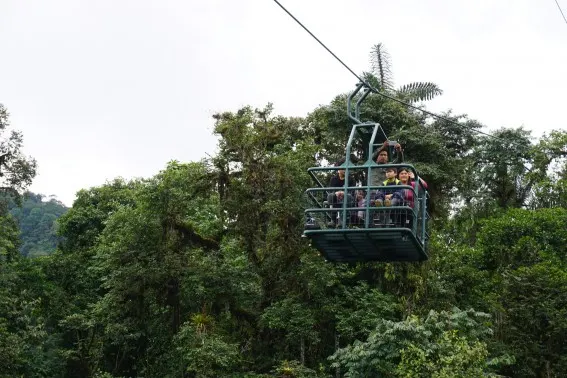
(379, 235)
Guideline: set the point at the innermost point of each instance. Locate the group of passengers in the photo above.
(378, 197)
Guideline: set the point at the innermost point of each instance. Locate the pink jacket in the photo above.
(408, 194)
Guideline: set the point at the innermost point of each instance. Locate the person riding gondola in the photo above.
(378, 174)
(336, 197)
(406, 177)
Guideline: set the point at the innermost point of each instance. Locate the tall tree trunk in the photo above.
(337, 369)
(302, 350)
(548, 369)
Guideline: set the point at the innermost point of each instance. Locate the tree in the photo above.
(9, 239)
(550, 188)
(516, 271)
(16, 170)
(26, 348)
(163, 278)
(534, 300)
(75, 277)
(443, 344)
(510, 170)
(205, 353)
(382, 76)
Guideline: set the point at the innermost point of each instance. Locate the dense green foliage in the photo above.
(16, 170)
(36, 219)
(201, 271)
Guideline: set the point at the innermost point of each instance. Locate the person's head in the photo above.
(341, 172)
(391, 173)
(404, 175)
(382, 156)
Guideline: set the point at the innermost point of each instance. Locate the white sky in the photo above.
(105, 88)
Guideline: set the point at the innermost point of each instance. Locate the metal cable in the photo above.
(378, 92)
(561, 10)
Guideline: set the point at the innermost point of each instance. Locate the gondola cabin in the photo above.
(370, 215)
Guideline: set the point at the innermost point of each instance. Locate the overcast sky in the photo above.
(104, 88)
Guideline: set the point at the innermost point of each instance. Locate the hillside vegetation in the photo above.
(36, 219)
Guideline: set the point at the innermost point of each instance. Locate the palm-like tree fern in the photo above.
(382, 75)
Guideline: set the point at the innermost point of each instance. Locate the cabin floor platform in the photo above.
(373, 244)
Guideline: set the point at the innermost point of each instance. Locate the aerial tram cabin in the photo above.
(350, 233)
